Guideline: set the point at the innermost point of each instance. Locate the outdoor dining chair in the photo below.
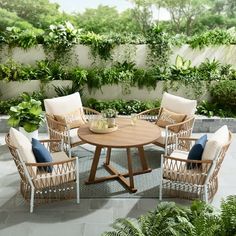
(64, 117)
(45, 181)
(175, 117)
(191, 170)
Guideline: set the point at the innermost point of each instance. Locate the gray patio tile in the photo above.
(147, 204)
(3, 217)
(109, 203)
(19, 217)
(23, 229)
(96, 229)
(67, 205)
(103, 216)
(128, 205)
(8, 192)
(57, 229)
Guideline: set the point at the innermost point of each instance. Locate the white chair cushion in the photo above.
(74, 138)
(23, 145)
(59, 156)
(162, 138)
(215, 143)
(178, 104)
(179, 154)
(63, 105)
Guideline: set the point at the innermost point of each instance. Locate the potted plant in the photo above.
(27, 115)
(110, 114)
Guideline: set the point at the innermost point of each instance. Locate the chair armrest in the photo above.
(149, 115)
(182, 124)
(188, 138)
(53, 163)
(90, 111)
(186, 171)
(50, 140)
(188, 160)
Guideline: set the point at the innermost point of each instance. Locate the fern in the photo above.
(228, 216)
(125, 227)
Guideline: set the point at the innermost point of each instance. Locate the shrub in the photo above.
(224, 92)
(170, 219)
(121, 106)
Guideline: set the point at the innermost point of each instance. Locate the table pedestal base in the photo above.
(121, 177)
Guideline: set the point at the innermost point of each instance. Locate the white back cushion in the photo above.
(63, 105)
(178, 104)
(23, 145)
(215, 143)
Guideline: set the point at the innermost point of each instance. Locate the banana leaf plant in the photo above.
(27, 114)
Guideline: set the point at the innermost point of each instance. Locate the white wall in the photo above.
(81, 55)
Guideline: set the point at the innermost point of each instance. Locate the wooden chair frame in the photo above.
(185, 129)
(59, 130)
(44, 186)
(199, 182)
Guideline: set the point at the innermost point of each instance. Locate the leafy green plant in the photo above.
(210, 109)
(224, 92)
(170, 219)
(181, 63)
(207, 108)
(16, 37)
(204, 218)
(121, 106)
(67, 90)
(109, 113)
(12, 71)
(60, 39)
(6, 104)
(212, 37)
(159, 43)
(228, 216)
(27, 114)
(167, 219)
(101, 45)
(50, 70)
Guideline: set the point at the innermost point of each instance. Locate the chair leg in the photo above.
(69, 151)
(205, 193)
(77, 181)
(160, 188)
(32, 200)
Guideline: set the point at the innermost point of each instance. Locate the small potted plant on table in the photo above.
(110, 114)
(27, 115)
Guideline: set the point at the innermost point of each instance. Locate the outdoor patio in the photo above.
(92, 216)
(161, 74)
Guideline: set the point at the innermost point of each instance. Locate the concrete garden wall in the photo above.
(81, 55)
(13, 89)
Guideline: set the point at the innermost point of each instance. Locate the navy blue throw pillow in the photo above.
(196, 151)
(41, 154)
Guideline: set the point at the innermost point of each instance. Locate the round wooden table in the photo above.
(127, 136)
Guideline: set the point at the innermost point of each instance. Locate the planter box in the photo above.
(13, 89)
(110, 92)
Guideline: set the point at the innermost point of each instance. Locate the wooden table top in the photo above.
(127, 135)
